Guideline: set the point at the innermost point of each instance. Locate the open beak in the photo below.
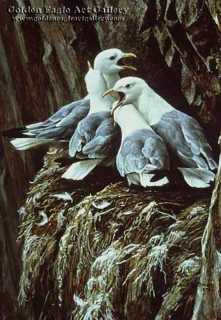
(121, 63)
(118, 103)
(110, 91)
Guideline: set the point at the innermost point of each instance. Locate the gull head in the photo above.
(112, 61)
(129, 89)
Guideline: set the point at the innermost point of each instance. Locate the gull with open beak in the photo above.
(59, 128)
(142, 156)
(182, 134)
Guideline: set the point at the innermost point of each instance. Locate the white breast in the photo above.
(129, 119)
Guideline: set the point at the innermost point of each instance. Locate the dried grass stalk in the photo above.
(116, 254)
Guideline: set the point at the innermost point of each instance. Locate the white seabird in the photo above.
(60, 127)
(95, 138)
(182, 134)
(142, 154)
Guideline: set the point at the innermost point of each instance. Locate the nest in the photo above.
(96, 249)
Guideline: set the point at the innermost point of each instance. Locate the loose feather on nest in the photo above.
(137, 256)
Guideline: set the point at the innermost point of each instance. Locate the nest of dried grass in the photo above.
(97, 250)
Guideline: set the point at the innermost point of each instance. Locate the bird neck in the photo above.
(98, 103)
(129, 119)
(152, 106)
(111, 79)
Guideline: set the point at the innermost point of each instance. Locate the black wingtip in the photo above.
(14, 133)
(67, 160)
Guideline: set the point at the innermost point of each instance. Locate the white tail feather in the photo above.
(27, 143)
(197, 177)
(79, 170)
(29, 134)
(144, 179)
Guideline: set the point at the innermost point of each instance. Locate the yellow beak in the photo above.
(124, 65)
(89, 65)
(116, 104)
(110, 91)
(129, 55)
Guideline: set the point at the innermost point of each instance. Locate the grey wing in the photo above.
(55, 118)
(84, 133)
(64, 129)
(47, 129)
(55, 133)
(106, 141)
(60, 115)
(199, 146)
(186, 139)
(142, 151)
(65, 111)
(77, 114)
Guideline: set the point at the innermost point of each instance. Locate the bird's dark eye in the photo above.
(112, 58)
(127, 86)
